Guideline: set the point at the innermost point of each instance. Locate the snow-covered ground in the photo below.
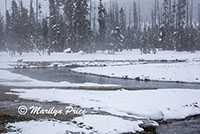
(11, 79)
(121, 106)
(109, 64)
(153, 104)
(99, 124)
(181, 72)
(6, 59)
(126, 109)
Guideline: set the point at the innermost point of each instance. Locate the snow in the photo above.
(181, 72)
(81, 52)
(11, 79)
(68, 50)
(125, 110)
(92, 124)
(110, 124)
(152, 104)
(6, 59)
(44, 127)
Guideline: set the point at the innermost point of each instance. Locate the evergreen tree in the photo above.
(82, 26)
(144, 46)
(55, 27)
(180, 23)
(116, 14)
(166, 30)
(122, 21)
(171, 27)
(1, 34)
(52, 26)
(135, 34)
(199, 15)
(102, 24)
(7, 31)
(24, 30)
(45, 30)
(135, 16)
(128, 38)
(32, 20)
(69, 14)
(139, 16)
(15, 27)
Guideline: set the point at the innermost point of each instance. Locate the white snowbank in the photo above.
(90, 124)
(43, 127)
(11, 79)
(153, 104)
(182, 72)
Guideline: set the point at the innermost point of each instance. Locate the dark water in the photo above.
(191, 126)
(64, 74)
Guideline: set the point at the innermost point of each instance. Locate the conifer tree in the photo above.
(69, 14)
(122, 20)
(102, 24)
(82, 26)
(1, 34)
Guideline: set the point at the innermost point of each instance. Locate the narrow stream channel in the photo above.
(191, 126)
(64, 74)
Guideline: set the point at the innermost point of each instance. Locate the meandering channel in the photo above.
(64, 74)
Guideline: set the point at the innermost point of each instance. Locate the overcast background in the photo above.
(146, 5)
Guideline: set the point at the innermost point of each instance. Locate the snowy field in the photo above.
(127, 109)
(98, 124)
(176, 72)
(153, 104)
(6, 59)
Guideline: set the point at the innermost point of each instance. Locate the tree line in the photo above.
(85, 25)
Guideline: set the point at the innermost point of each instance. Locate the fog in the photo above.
(146, 5)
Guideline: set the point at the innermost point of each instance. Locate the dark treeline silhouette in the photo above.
(85, 25)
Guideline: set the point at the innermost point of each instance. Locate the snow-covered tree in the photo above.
(69, 14)
(102, 24)
(166, 28)
(52, 26)
(117, 39)
(82, 26)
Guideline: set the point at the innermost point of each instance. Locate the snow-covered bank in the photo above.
(153, 104)
(181, 72)
(89, 124)
(11, 79)
(6, 59)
